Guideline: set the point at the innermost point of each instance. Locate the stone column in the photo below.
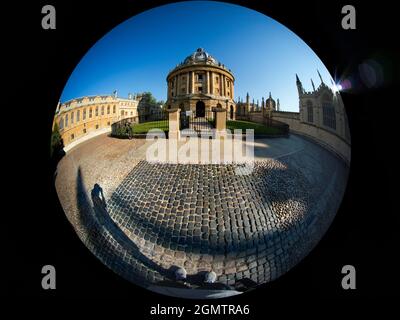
(208, 82)
(173, 123)
(211, 83)
(224, 85)
(187, 83)
(175, 86)
(221, 87)
(192, 81)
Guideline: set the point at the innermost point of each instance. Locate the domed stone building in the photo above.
(270, 104)
(201, 83)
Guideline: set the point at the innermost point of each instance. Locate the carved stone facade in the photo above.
(267, 106)
(200, 83)
(321, 116)
(323, 108)
(80, 117)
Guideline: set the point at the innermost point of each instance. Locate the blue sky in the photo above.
(137, 55)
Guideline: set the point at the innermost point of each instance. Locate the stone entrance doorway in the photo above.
(200, 109)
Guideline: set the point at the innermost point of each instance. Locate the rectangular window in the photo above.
(108, 109)
(310, 114)
(78, 115)
(114, 108)
(72, 117)
(72, 136)
(329, 116)
(84, 114)
(97, 112)
(66, 120)
(90, 112)
(102, 110)
(84, 130)
(199, 77)
(199, 89)
(97, 126)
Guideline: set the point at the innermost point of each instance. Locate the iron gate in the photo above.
(190, 121)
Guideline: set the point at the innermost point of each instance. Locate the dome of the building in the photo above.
(270, 102)
(200, 56)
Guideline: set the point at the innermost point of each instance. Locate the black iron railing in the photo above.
(197, 123)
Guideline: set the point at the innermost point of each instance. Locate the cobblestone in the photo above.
(205, 217)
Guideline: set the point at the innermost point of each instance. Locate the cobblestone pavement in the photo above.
(205, 217)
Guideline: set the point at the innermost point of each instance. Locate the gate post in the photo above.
(220, 119)
(173, 123)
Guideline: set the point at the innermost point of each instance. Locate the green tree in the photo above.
(149, 99)
(57, 144)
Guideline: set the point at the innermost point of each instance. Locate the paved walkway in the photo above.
(143, 220)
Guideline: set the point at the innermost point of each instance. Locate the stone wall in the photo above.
(328, 139)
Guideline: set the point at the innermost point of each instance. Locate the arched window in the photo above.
(329, 115)
(102, 110)
(66, 120)
(61, 123)
(84, 114)
(310, 112)
(97, 112)
(72, 117)
(90, 112)
(78, 115)
(114, 108)
(108, 109)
